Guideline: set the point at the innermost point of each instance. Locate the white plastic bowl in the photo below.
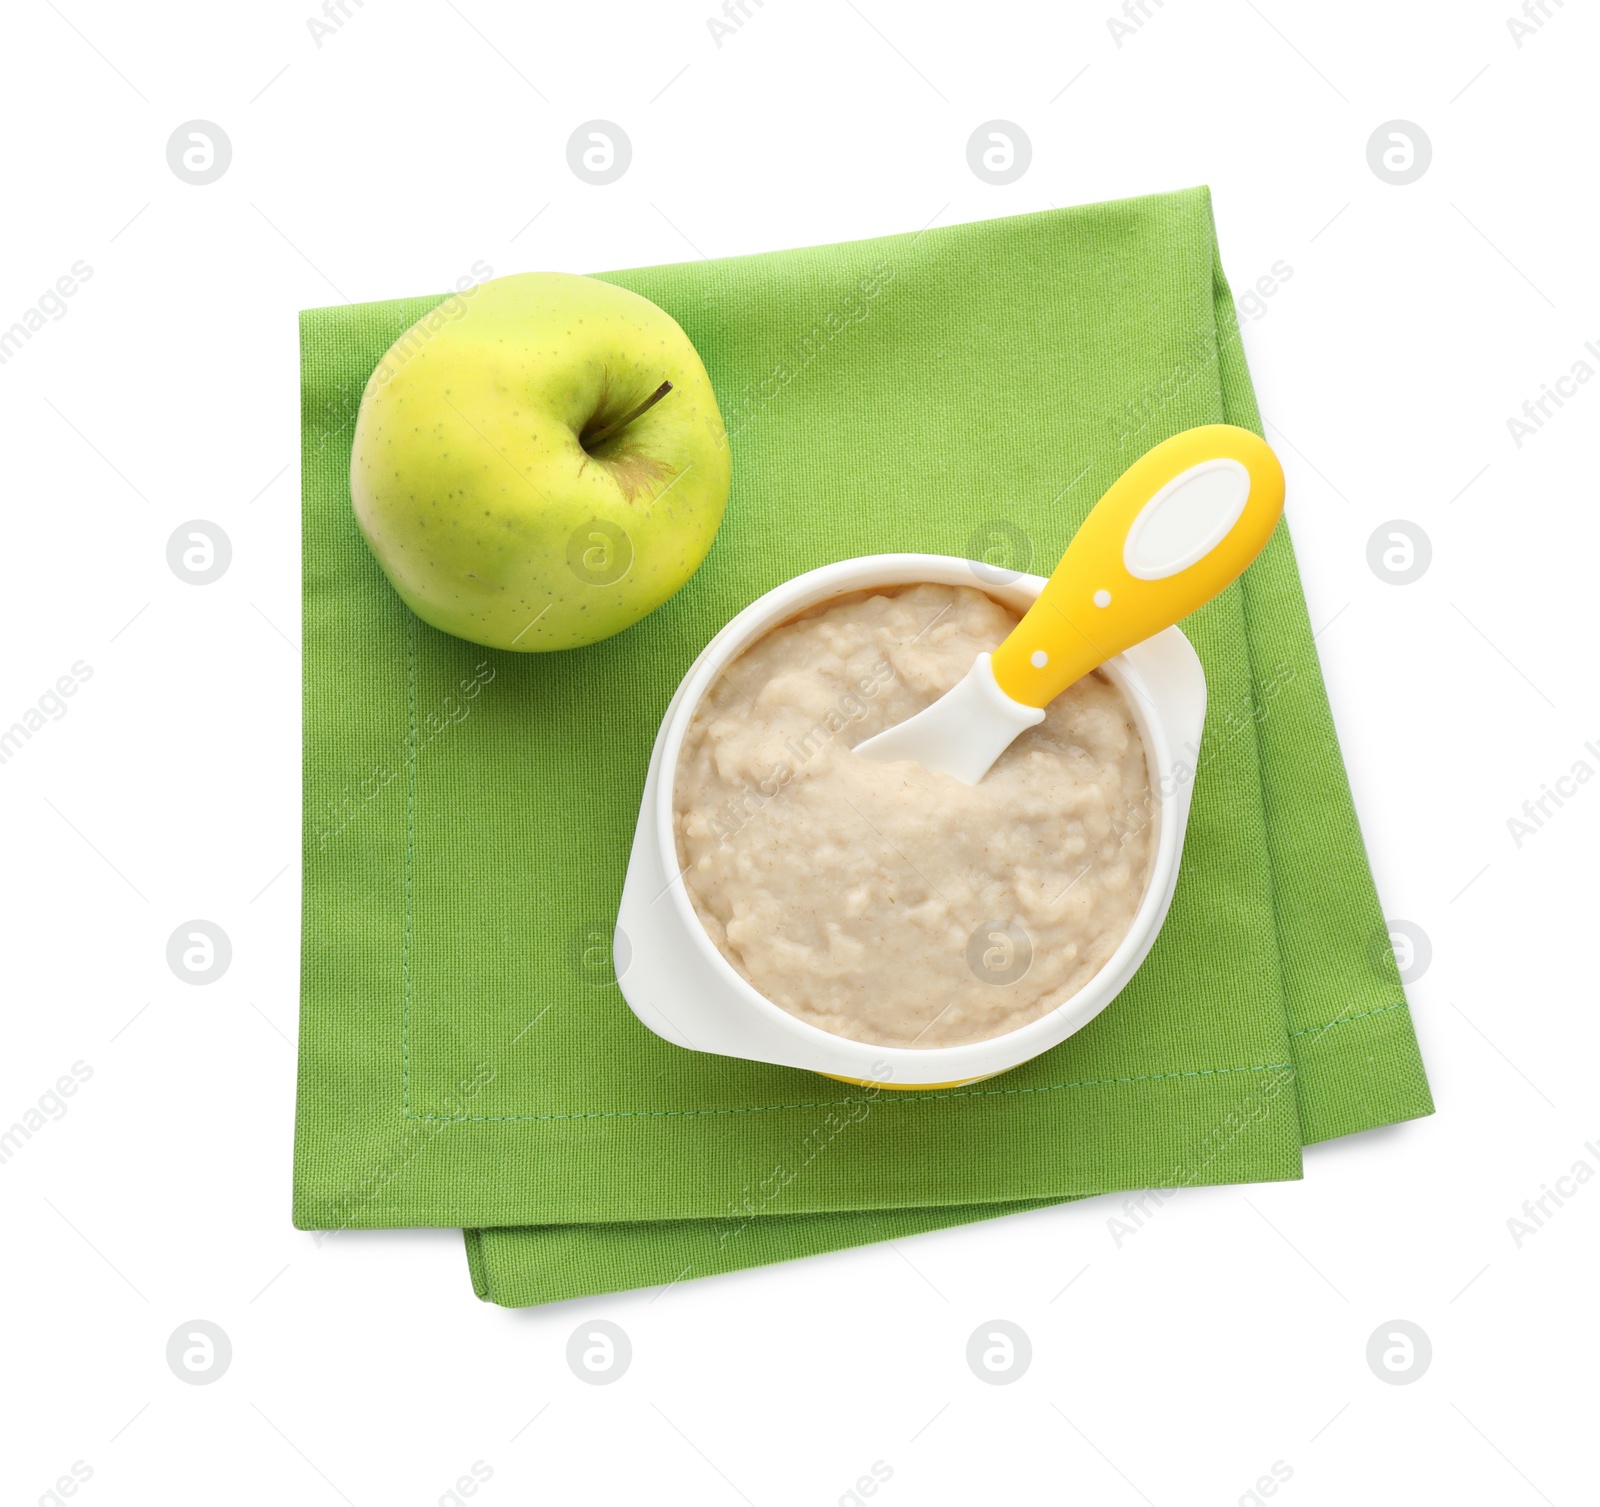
(680, 986)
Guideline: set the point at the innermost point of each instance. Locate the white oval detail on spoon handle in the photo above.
(1186, 519)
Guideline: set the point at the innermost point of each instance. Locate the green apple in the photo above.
(539, 462)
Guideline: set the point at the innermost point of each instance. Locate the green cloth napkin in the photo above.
(465, 1056)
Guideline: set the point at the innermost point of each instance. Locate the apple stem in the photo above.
(600, 436)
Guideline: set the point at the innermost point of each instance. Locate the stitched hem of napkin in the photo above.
(898, 1097)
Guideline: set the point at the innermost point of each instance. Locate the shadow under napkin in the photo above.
(465, 1056)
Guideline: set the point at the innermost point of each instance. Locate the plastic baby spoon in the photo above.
(1179, 525)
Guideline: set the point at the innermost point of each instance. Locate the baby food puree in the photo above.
(884, 902)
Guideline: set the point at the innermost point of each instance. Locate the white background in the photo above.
(1227, 1334)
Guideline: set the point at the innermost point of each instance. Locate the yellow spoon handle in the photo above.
(1175, 528)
